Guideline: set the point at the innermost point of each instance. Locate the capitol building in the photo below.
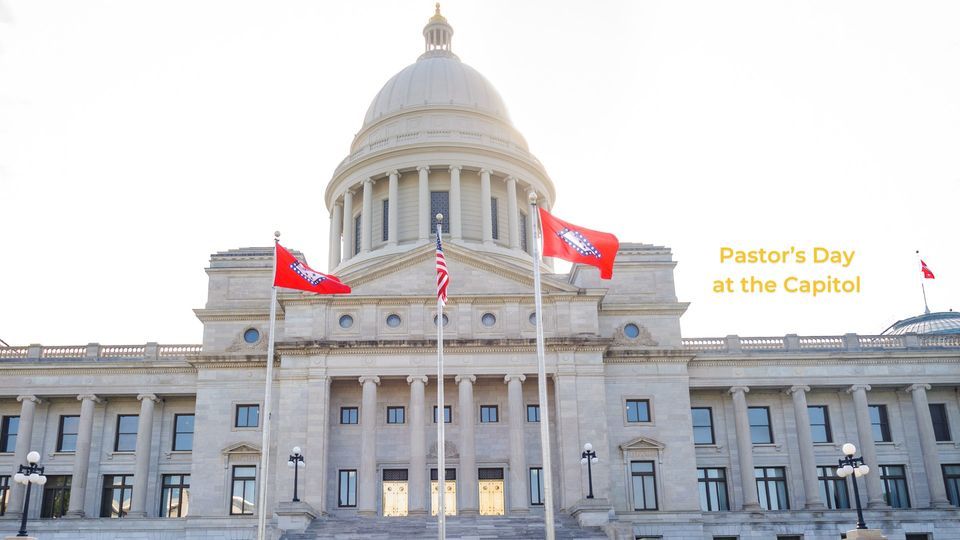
(697, 438)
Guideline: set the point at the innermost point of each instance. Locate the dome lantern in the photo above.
(437, 35)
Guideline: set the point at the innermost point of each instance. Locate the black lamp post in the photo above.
(855, 466)
(589, 457)
(296, 463)
(28, 475)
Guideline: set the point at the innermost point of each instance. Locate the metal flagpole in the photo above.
(926, 308)
(542, 374)
(441, 417)
(265, 441)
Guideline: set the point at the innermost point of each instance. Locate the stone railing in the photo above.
(793, 343)
(94, 351)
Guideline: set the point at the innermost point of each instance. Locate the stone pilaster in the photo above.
(468, 488)
(456, 225)
(347, 225)
(513, 213)
(867, 449)
(367, 481)
(485, 207)
(808, 465)
(28, 408)
(423, 210)
(366, 217)
(141, 474)
(748, 482)
(81, 460)
(417, 488)
(336, 229)
(518, 462)
(928, 445)
(393, 210)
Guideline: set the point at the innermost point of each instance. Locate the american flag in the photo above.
(443, 278)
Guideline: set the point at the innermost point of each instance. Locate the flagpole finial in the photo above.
(276, 234)
(532, 197)
(439, 217)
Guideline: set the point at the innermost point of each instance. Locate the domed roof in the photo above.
(944, 322)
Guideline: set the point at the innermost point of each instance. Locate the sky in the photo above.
(137, 138)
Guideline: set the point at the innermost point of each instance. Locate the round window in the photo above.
(631, 331)
(346, 321)
(488, 319)
(445, 320)
(533, 318)
(252, 335)
(393, 320)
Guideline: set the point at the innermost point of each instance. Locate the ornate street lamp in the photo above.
(855, 466)
(28, 475)
(296, 463)
(588, 458)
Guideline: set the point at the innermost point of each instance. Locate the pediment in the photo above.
(642, 443)
(241, 448)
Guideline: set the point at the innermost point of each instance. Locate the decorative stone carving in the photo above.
(450, 450)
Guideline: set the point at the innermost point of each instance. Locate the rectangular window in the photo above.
(395, 415)
(820, 423)
(941, 426)
(772, 488)
(488, 414)
(917, 536)
(243, 500)
(67, 433)
(248, 416)
(833, 488)
(951, 477)
(533, 413)
(347, 489)
(761, 432)
(523, 231)
(880, 423)
(536, 486)
(4, 493)
(175, 496)
(126, 438)
(386, 220)
(713, 489)
(638, 410)
(439, 204)
(894, 481)
(495, 218)
(117, 492)
(56, 496)
(447, 414)
(702, 425)
(349, 415)
(644, 485)
(356, 233)
(8, 433)
(183, 432)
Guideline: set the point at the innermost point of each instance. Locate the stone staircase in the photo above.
(458, 527)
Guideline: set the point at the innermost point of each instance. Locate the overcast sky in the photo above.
(136, 138)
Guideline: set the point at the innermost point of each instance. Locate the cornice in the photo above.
(40, 371)
(647, 356)
(453, 346)
(671, 308)
(235, 315)
(842, 359)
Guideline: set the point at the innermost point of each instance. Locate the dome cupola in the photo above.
(437, 36)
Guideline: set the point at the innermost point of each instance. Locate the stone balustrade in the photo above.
(734, 344)
(94, 351)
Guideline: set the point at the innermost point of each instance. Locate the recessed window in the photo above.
(439, 204)
(536, 486)
(445, 320)
(393, 320)
(772, 488)
(951, 477)
(702, 425)
(533, 413)
(494, 219)
(183, 432)
(488, 319)
(117, 493)
(357, 222)
(447, 414)
(395, 415)
(713, 489)
(244, 490)
(638, 410)
(126, 439)
(833, 488)
(631, 330)
(67, 434)
(760, 430)
(893, 479)
(386, 220)
(175, 496)
(489, 414)
(248, 416)
(644, 483)
(347, 489)
(4, 493)
(8, 433)
(56, 496)
(346, 321)
(820, 423)
(252, 335)
(941, 426)
(880, 423)
(349, 415)
(523, 231)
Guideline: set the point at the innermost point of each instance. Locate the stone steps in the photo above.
(458, 527)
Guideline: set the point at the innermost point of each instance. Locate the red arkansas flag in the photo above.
(293, 274)
(927, 273)
(578, 244)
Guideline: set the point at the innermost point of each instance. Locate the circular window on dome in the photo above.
(533, 318)
(393, 320)
(631, 330)
(445, 320)
(488, 319)
(251, 335)
(346, 321)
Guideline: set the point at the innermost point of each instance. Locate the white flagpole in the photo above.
(926, 308)
(267, 412)
(542, 374)
(441, 418)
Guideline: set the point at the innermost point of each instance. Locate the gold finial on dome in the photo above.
(437, 17)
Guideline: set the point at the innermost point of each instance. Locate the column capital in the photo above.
(854, 387)
(462, 378)
(421, 168)
(29, 397)
(150, 397)
(510, 178)
(456, 168)
(797, 388)
(511, 376)
(486, 171)
(338, 202)
(372, 378)
(91, 397)
(412, 378)
(368, 180)
(394, 172)
(739, 389)
(918, 386)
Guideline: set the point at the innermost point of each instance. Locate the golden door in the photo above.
(491, 497)
(394, 498)
(449, 501)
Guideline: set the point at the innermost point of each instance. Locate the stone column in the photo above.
(336, 229)
(928, 445)
(518, 462)
(513, 216)
(423, 211)
(417, 489)
(485, 209)
(347, 225)
(531, 225)
(81, 460)
(366, 217)
(866, 446)
(748, 482)
(367, 481)
(393, 212)
(28, 407)
(141, 474)
(456, 226)
(469, 488)
(808, 465)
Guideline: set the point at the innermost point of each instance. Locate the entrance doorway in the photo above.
(394, 492)
(491, 492)
(450, 495)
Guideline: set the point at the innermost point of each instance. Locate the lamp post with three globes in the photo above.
(27, 475)
(855, 466)
(296, 463)
(588, 458)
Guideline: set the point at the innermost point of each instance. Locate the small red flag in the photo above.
(294, 274)
(578, 244)
(927, 273)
